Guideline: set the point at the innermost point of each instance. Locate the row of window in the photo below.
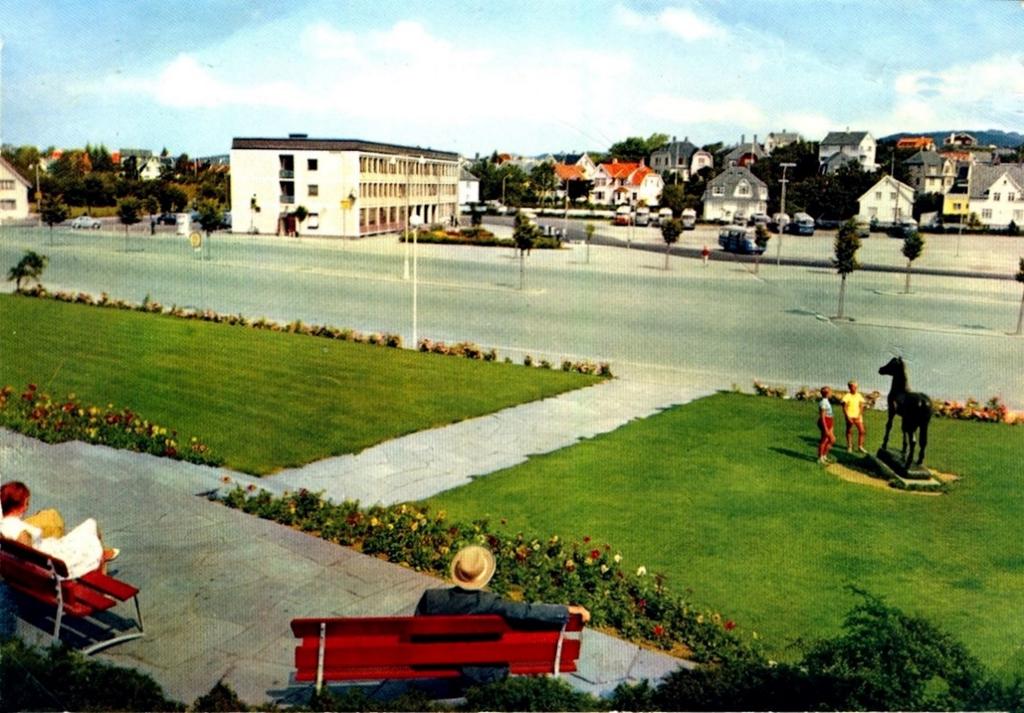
(395, 165)
(1011, 197)
(7, 204)
(397, 190)
(6, 185)
(986, 214)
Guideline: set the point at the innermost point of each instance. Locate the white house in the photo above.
(886, 202)
(997, 194)
(14, 190)
(469, 187)
(735, 193)
(348, 187)
(626, 183)
(778, 139)
(839, 147)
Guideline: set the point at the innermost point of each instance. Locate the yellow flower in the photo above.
(374, 522)
(641, 571)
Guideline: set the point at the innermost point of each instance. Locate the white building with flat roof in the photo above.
(347, 187)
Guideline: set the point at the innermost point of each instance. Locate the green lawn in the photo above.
(262, 400)
(723, 496)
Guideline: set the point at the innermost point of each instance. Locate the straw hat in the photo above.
(472, 567)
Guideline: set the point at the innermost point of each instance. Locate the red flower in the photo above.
(641, 603)
(730, 625)
(594, 554)
(31, 387)
(658, 630)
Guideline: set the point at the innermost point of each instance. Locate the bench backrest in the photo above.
(428, 647)
(23, 563)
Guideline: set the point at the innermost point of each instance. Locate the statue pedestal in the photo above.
(890, 464)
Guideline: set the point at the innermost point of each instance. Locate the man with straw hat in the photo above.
(471, 569)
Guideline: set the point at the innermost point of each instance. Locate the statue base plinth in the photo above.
(891, 465)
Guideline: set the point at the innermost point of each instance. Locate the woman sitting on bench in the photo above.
(81, 550)
(471, 570)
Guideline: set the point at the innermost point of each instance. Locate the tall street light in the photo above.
(405, 262)
(415, 222)
(782, 209)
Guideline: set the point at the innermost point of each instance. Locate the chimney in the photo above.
(743, 139)
(755, 142)
(673, 139)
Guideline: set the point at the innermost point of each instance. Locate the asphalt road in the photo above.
(708, 326)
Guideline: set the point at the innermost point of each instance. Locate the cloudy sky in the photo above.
(478, 75)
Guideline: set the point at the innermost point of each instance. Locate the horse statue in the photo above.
(914, 410)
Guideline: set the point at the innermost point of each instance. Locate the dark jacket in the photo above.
(463, 601)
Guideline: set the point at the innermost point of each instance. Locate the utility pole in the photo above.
(782, 209)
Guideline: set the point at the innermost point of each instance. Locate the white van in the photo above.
(643, 215)
(689, 218)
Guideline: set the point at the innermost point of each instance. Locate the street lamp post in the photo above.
(782, 209)
(415, 221)
(503, 188)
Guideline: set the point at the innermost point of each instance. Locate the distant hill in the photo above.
(988, 137)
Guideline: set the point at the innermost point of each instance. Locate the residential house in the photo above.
(778, 139)
(469, 187)
(626, 183)
(14, 191)
(681, 158)
(348, 187)
(735, 193)
(582, 160)
(930, 173)
(745, 154)
(886, 202)
(840, 147)
(920, 143)
(572, 180)
(960, 139)
(997, 194)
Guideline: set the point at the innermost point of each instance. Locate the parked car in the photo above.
(662, 216)
(802, 224)
(778, 222)
(758, 219)
(623, 215)
(863, 229)
(740, 241)
(643, 215)
(903, 228)
(225, 221)
(689, 218)
(828, 223)
(167, 219)
(86, 222)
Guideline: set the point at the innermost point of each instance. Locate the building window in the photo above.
(1011, 197)
(313, 221)
(878, 195)
(7, 185)
(7, 204)
(311, 164)
(314, 189)
(995, 196)
(892, 195)
(1018, 215)
(718, 191)
(986, 213)
(956, 206)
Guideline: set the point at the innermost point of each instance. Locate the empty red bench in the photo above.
(45, 579)
(374, 648)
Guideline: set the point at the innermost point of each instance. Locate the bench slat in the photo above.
(75, 593)
(25, 554)
(400, 626)
(109, 586)
(440, 654)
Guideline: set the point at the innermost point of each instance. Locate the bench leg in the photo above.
(60, 612)
(320, 657)
(558, 651)
(138, 612)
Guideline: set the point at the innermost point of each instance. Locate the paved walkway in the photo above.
(422, 464)
(219, 587)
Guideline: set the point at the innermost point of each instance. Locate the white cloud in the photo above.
(684, 110)
(812, 127)
(324, 41)
(680, 22)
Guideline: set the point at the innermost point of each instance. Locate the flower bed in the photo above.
(36, 414)
(470, 350)
(636, 605)
(992, 411)
(476, 236)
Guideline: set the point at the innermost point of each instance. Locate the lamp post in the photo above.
(503, 188)
(415, 221)
(782, 209)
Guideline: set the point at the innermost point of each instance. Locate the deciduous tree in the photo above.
(525, 235)
(913, 246)
(53, 210)
(670, 232)
(761, 238)
(846, 245)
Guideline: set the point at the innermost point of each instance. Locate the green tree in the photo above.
(913, 246)
(543, 180)
(151, 205)
(53, 210)
(589, 230)
(29, 268)
(670, 232)
(674, 196)
(210, 216)
(636, 148)
(128, 214)
(761, 238)
(846, 245)
(1020, 278)
(525, 235)
(300, 214)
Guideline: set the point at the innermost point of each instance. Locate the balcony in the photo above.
(287, 199)
(286, 173)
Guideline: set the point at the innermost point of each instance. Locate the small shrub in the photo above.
(221, 698)
(527, 360)
(536, 693)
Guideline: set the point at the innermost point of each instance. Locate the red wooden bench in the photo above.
(374, 648)
(45, 579)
